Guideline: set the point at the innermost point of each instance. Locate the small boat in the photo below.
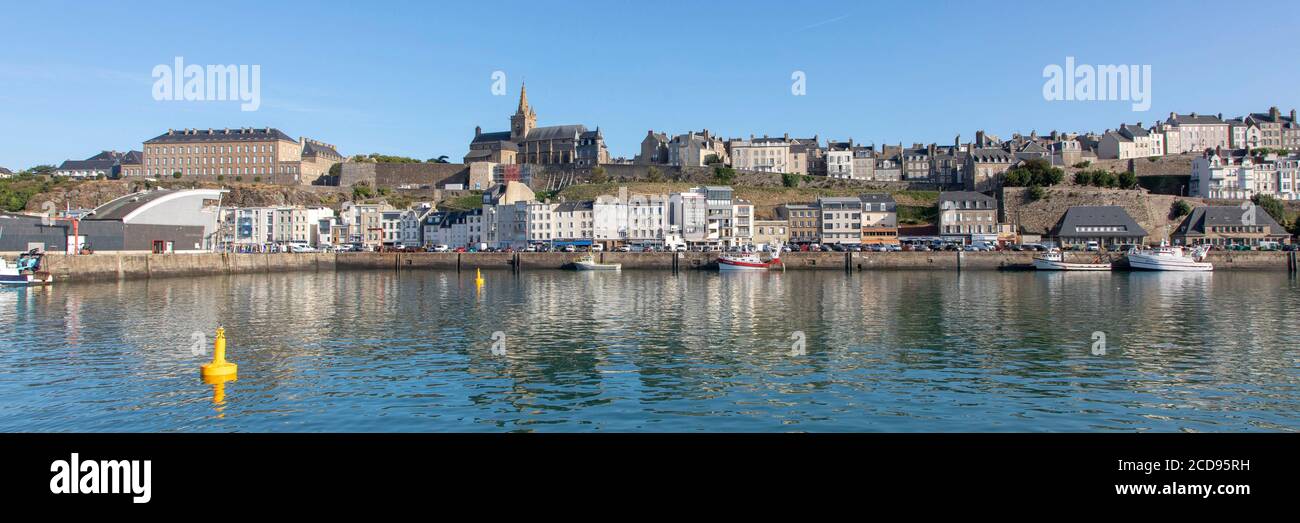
(588, 263)
(1054, 260)
(25, 271)
(749, 261)
(1167, 258)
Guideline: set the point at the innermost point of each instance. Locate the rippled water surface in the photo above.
(653, 351)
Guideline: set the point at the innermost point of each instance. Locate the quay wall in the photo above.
(137, 265)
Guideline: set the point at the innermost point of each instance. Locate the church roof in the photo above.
(502, 136)
(555, 132)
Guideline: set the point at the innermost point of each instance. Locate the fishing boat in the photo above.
(749, 261)
(25, 271)
(589, 263)
(1168, 258)
(1054, 260)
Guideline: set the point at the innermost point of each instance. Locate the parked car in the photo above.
(459, 249)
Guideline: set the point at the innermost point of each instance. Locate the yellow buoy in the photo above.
(219, 365)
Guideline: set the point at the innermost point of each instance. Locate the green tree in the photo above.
(723, 174)
(712, 159)
(1037, 171)
(1083, 178)
(653, 174)
(1273, 207)
(1104, 179)
(1181, 208)
(1127, 180)
(440, 159)
(1036, 193)
(221, 177)
(361, 192)
(1083, 165)
(598, 174)
(176, 175)
(790, 180)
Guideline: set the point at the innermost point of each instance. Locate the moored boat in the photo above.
(1054, 260)
(589, 263)
(749, 261)
(1168, 258)
(25, 271)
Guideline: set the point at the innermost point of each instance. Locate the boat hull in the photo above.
(18, 280)
(1150, 264)
(583, 266)
(725, 264)
(1052, 265)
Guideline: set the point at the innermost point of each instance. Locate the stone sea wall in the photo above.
(136, 266)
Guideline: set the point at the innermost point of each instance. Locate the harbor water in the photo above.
(656, 351)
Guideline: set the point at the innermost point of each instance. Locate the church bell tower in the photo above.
(524, 119)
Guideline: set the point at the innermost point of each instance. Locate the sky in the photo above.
(415, 78)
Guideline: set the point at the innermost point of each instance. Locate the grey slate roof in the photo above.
(1194, 119)
(967, 196)
(221, 135)
(987, 155)
(1218, 215)
(500, 136)
(309, 148)
(556, 132)
(5, 171)
(1099, 216)
(876, 197)
(87, 165)
(575, 206)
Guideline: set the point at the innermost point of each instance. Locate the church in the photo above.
(526, 143)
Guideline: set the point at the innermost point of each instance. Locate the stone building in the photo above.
(526, 143)
(1275, 130)
(985, 167)
(1229, 225)
(1108, 225)
(247, 154)
(967, 216)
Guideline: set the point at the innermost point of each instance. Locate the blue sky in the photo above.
(414, 78)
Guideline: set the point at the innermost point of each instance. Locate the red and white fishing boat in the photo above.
(749, 261)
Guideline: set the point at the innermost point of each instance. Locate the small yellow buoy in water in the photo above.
(478, 277)
(219, 365)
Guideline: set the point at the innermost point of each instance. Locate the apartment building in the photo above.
(1196, 133)
(804, 220)
(1276, 131)
(967, 216)
(879, 219)
(261, 226)
(841, 220)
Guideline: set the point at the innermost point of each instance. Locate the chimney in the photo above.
(1273, 113)
(1173, 115)
(1293, 115)
(1193, 115)
(786, 136)
(478, 129)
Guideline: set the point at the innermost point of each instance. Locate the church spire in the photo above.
(523, 98)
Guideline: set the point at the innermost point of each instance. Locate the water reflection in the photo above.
(897, 351)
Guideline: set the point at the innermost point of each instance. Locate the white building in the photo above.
(1239, 175)
(1131, 141)
(762, 155)
(261, 226)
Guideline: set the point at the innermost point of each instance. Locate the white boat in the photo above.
(1054, 260)
(25, 271)
(749, 261)
(588, 263)
(1167, 258)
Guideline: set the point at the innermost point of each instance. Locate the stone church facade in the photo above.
(526, 143)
